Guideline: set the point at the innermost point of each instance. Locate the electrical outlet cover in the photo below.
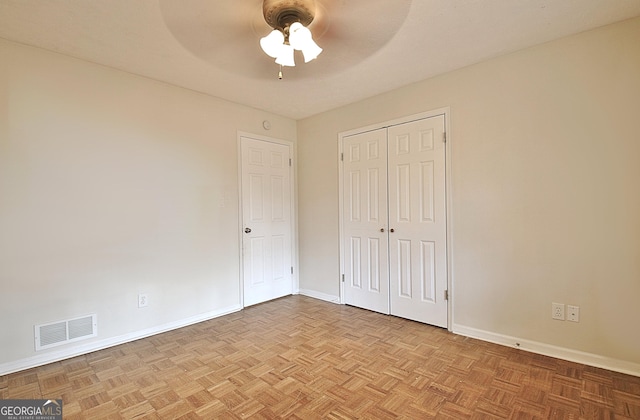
(573, 313)
(557, 311)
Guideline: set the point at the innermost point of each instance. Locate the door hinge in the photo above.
(289, 161)
(343, 278)
(291, 270)
(341, 156)
(444, 136)
(446, 295)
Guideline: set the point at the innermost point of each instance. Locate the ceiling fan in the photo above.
(227, 33)
(289, 20)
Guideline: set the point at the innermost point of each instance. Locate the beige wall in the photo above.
(545, 189)
(113, 185)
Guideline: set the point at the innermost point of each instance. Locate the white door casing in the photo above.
(266, 220)
(413, 270)
(364, 218)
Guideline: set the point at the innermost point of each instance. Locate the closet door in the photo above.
(417, 221)
(365, 241)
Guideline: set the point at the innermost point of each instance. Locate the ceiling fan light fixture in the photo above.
(289, 19)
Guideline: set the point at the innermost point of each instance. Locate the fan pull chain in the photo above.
(280, 73)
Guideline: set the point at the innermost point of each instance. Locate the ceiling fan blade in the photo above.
(358, 28)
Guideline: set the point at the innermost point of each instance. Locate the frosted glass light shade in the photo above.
(298, 36)
(311, 51)
(285, 58)
(272, 43)
(300, 39)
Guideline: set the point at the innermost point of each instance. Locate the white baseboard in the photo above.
(571, 355)
(56, 356)
(319, 295)
(590, 359)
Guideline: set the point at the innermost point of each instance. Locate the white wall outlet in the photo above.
(557, 311)
(573, 313)
(142, 300)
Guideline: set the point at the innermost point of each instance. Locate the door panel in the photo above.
(266, 216)
(417, 210)
(365, 221)
(427, 270)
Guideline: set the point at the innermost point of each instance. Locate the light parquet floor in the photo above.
(302, 358)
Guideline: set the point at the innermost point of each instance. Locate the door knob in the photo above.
(392, 230)
(382, 230)
(247, 230)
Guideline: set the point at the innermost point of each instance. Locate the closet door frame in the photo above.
(448, 186)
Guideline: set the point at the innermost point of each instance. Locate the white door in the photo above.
(417, 221)
(394, 220)
(266, 218)
(366, 275)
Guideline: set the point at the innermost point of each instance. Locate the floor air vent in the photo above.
(63, 332)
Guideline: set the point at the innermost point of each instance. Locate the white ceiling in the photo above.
(370, 46)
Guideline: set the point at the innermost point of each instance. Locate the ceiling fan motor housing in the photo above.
(279, 14)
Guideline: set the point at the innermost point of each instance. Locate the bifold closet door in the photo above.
(417, 221)
(394, 221)
(365, 241)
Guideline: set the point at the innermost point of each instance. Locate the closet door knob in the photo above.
(382, 230)
(392, 230)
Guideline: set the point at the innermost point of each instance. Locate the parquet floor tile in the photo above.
(301, 358)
